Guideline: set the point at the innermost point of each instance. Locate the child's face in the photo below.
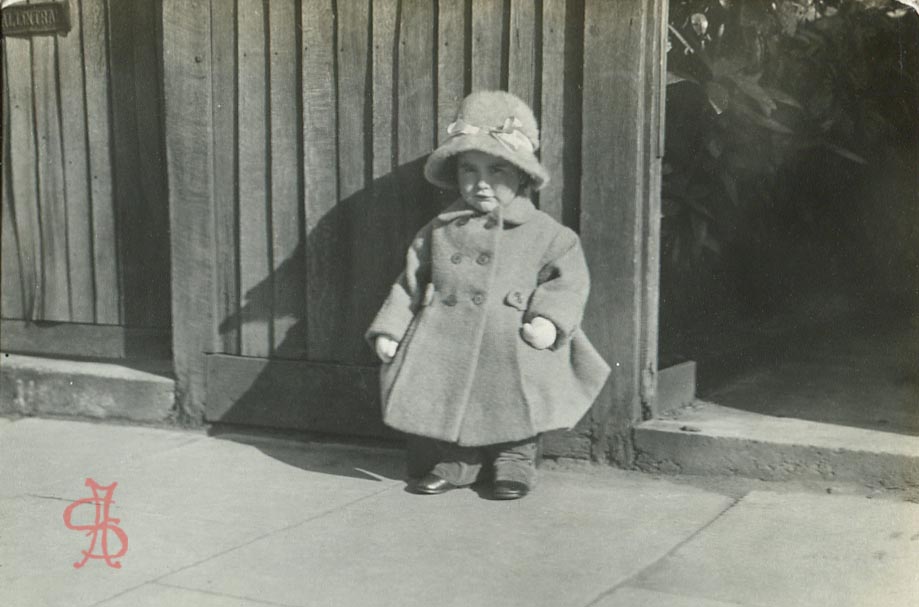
(485, 180)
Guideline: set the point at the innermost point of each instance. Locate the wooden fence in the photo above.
(324, 112)
(85, 214)
(295, 134)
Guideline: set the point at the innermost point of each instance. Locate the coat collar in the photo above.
(518, 211)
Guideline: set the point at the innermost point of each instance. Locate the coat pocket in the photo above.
(518, 298)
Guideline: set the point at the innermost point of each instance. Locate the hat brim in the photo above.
(441, 172)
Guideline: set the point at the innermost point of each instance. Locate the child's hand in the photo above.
(386, 348)
(540, 333)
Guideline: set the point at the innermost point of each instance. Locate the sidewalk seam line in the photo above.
(222, 594)
(156, 580)
(666, 555)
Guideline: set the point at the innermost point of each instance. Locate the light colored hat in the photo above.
(494, 122)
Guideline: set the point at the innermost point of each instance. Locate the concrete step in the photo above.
(30, 385)
(708, 439)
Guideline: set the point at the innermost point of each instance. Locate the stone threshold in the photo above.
(709, 439)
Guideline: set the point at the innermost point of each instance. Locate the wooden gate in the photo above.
(296, 134)
(85, 258)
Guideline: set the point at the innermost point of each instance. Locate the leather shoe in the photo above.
(432, 484)
(509, 490)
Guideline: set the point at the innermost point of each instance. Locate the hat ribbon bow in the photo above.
(509, 133)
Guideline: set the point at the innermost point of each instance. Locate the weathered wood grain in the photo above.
(23, 176)
(288, 271)
(86, 340)
(226, 179)
(76, 170)
(417, 117)
(611, 209)
(552, 102)
(189, 156)
(101, 172)
(489, 45)
(320, 195)
(655, 56)
(255, 279)
(11, 288)
(354, 167)
(376, 251)
(452, 70)
(523, 70)
(51, 187)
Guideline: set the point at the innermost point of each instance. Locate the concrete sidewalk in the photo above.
(236, 522)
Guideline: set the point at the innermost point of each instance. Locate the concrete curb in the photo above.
(31, 386)
(708, 439)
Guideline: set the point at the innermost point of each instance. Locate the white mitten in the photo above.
(386, 347)
(540, 333)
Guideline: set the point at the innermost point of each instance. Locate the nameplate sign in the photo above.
(36, 19)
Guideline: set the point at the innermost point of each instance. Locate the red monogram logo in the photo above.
(101, 499)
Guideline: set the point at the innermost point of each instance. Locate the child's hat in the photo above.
(494, 122)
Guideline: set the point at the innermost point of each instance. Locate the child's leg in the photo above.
(460, 466)
(515, 462)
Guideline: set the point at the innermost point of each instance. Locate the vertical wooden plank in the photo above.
(552, 100)
(354, 126)
(320, 196)
(417, 119)
(416, 88)
(655, 87)
(76, 170)
(99, 129)
(129, 203)
(611, 210)
(51, 188)
(226, 220)
(141, 212)
(254, 184)
(384, 39)
(11, 294)
(23, 175)
(523, 70)
(189, 156)
(11, 288)
(287, 271)
(489, 35)
(451, 62)
(152, 219)
(377, 249)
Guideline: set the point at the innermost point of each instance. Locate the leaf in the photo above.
(847, 154)
(782, 97)
(750, 87)
(760, 120)
(718, 96)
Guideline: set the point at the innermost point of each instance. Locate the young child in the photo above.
(480, 335)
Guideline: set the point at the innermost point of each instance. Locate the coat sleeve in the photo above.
(405, 296)
(563, 286)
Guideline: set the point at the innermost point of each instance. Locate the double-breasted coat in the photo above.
(463, 373)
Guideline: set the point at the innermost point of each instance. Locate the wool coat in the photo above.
(462, 372)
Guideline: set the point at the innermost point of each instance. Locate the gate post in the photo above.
(189, 158)
(624, 53)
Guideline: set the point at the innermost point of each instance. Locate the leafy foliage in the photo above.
(756, 88)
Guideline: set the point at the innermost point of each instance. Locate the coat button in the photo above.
(483, 259)
(478, 299)
(518, 296)
(450, 300)
(456, 258)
